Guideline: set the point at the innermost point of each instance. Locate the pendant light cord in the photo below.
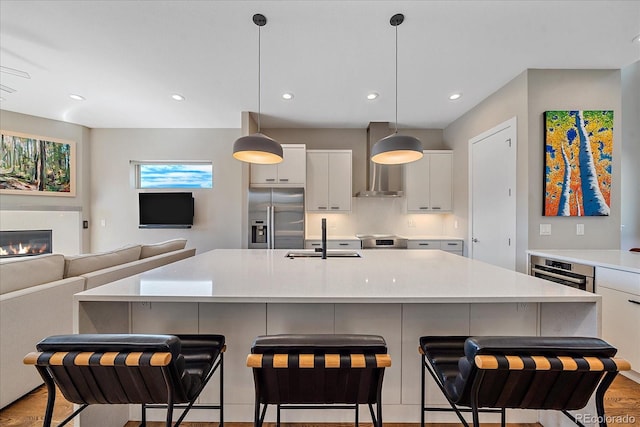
(259, 88)
(396, 79)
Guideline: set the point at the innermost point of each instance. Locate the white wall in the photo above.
(509, 101)
(526, 97)
(114, 199)
(572, 90)
(39, 126)
(630, 218)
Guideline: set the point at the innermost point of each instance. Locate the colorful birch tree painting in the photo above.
(578, 156)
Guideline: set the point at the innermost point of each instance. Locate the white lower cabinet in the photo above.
(453, 246)
(620, 292)
(334, 244)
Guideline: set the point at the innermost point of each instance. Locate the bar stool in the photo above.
(525, 372)
(157, 371)
(318, 371)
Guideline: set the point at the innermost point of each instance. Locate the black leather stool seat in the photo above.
(318, 369)
(128, 368)
(558, 373)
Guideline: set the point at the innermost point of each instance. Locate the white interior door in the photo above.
(492, 193)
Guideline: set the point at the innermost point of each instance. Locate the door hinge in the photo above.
(509, 141)
(509, 192)
(509, 241)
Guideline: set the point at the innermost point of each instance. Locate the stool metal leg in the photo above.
(422, 391)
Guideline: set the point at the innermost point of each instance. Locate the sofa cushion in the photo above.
(24, 272)
(162, 247)
(86, 263)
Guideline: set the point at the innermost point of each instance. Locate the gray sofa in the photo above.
(36, 299)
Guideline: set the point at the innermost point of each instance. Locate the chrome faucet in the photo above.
(324, 238)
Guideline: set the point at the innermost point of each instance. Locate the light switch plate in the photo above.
(580, 229)
(545, 229)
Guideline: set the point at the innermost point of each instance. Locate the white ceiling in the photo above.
(127, 57)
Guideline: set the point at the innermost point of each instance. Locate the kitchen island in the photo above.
(400, 295)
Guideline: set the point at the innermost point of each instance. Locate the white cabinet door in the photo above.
(317, 181)
(620, 320)
(329, 180)
(440, 182)
(417, 178)
(288, 173)
(429, 182)
(264, 174)
(340, 181)
(292, 170)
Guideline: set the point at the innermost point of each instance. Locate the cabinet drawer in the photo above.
(624, 281)
(451, 245)
(423, 244)
(333, 244)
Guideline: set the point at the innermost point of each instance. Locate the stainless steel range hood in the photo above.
(382, 180)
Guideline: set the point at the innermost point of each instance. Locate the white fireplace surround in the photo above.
(66, 226)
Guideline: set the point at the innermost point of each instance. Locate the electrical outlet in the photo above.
(580, 229)
(545, 229)
(522, 306)
(411, 223)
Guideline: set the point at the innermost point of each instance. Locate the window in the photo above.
(152, 175)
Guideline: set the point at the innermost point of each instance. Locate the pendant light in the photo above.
(396, 149)
(258, 148)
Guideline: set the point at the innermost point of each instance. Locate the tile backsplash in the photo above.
(377, 215)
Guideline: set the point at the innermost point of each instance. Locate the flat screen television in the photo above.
(166, 210)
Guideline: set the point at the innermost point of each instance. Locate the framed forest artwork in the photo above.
(578, 156)
(36, 165)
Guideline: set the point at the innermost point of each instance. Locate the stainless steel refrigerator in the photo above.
(276, 218)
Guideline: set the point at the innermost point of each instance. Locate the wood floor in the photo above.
(622, 405)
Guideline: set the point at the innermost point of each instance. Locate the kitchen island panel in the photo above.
(569, 318)
(101, 317)
(300, 319)
(240, 324)
(489, 319)
(164, 318)
(420, 320)
(377, 319)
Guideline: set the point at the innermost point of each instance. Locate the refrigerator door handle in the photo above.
(269, 231)
(272, 226)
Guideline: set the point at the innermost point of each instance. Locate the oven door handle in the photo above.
(559, 276)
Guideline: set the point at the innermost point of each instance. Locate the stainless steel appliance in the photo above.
(276, 218)
(566, 273)
(382, 241)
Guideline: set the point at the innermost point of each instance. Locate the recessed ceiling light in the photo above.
(287, 96)
(178, 97)
(372, 95)
(455, 96)
(76, 97)
(636, 38)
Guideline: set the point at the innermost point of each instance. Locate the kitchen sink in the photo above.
(331, 253)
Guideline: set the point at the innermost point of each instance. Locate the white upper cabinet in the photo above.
(329, 180)
(429, 183)
(291, 172)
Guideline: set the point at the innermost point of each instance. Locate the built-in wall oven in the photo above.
(566, 273)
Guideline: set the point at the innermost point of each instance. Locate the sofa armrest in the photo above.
(111, 274)
(26, 317)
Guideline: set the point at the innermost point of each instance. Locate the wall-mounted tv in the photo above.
(166, 210)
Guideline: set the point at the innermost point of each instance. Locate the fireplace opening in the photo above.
(25, 243)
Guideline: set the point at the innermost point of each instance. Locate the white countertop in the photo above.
(610, 258)
(380, 276)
